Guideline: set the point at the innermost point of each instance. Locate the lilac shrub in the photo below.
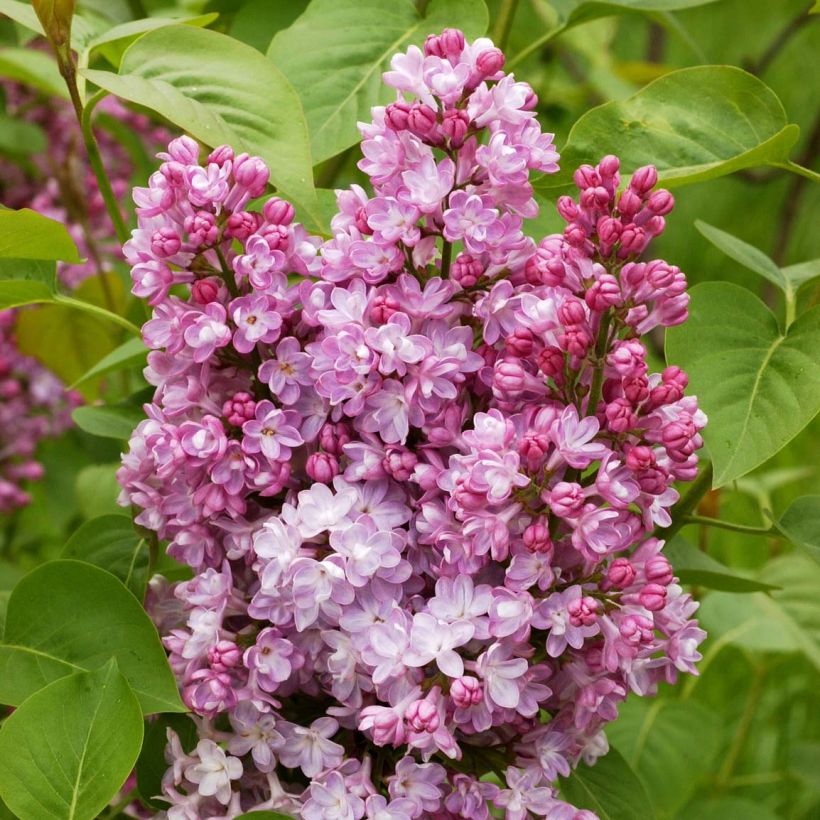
(416, 468)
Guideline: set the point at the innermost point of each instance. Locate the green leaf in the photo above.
(693, 124)
(726, 808)
(15, 293)
(257, 21)
(787, 620)
(670, 745)
(66, 751)
(20, 138)
(21, 13)
(66, 341)
(220, 91)
(802, 272)
(758, 386)
(744, 253)
(801, 524)
(574, 12)
(693, 566)
(610, 788)
(111, 543)
(113, 42)
(33, 68)
(151, 765)
(25, 234)
(108, 421)
(335, 53)
(129, 354)
(68, 616)
(97, 489)
(4, 605)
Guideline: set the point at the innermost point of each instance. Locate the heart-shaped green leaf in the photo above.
(68, 748)
(758, 386)
(220, 91)
(111, 543)
(694, 124)
(69, 616)
(26, 234)
(335, 53)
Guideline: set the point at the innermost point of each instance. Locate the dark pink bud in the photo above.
(609, 166)
(450, 43)
(644, 180)
(676, 435)
(422, 716)
(454, 125)
(322, 467)
(583, 611)
(629, 203)
(653, 597)
(620, 573)
(567, 208)
(594, 198)
(619, 416)
(277, 236)
(205, 291)
(165, 242)
(466, 691)
(609, 230)
(383, 307)
(660, 203)
(659, 571)
(551, 362)
(640, 457)
(586, 177)
(575, 340)
(571, 312)
(239, 409)
(537, 537)
(509, 377)
(520, 342)
(530, 101)
(490, 62)
(533, 448)
(278, 211)
(635, 630)
(565, 499)
(251, 173)
(224, 656)
(241, 225)
(361, 221)
(633, 241)
(399, 463)
(175, 173)
(333, 437)
(396, 115)
(544, 269)
(201, 228)
(466, 270)
(219, 156)
(674, 375)
(421, 119)
(604, 293)
(575, 235)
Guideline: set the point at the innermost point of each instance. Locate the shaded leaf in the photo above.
(14, 293)
(68, 616)
(801, 524)
(670, 745)
(65, 752)
(758, 387)
(111, 543)
(129, 354)
(802, 272)
(693, 566)
(610, 788)
(693, 124)
(787, 620)
(151, 765)
(257, 21)
(25, 234)
(97, 489)
(335, 53)
(726, 808)
(108, 421)
(33, 68)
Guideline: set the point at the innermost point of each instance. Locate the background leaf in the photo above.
(65, 752)
(111, 543)
(25, 234)
(68, 616)
(801, 524)
(108, 421)
(758, 387)
(220, 91)
(151, 764)
(335, 53)
(610, 788)
(693, 124)
(670, 745)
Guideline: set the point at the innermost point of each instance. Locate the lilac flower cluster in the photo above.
(415, 468)
(33, 405)
(59, 182)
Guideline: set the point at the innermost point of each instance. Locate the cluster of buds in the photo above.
(417, 469)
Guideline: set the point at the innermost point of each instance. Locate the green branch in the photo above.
(729, 525)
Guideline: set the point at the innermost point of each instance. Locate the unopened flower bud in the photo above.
(322, 467)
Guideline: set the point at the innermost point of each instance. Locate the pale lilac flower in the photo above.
(434, 640)
(213, 771)
(310, 748)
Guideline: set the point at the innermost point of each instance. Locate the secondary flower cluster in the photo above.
(33, 405)
(58, 182)
(416, 468)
